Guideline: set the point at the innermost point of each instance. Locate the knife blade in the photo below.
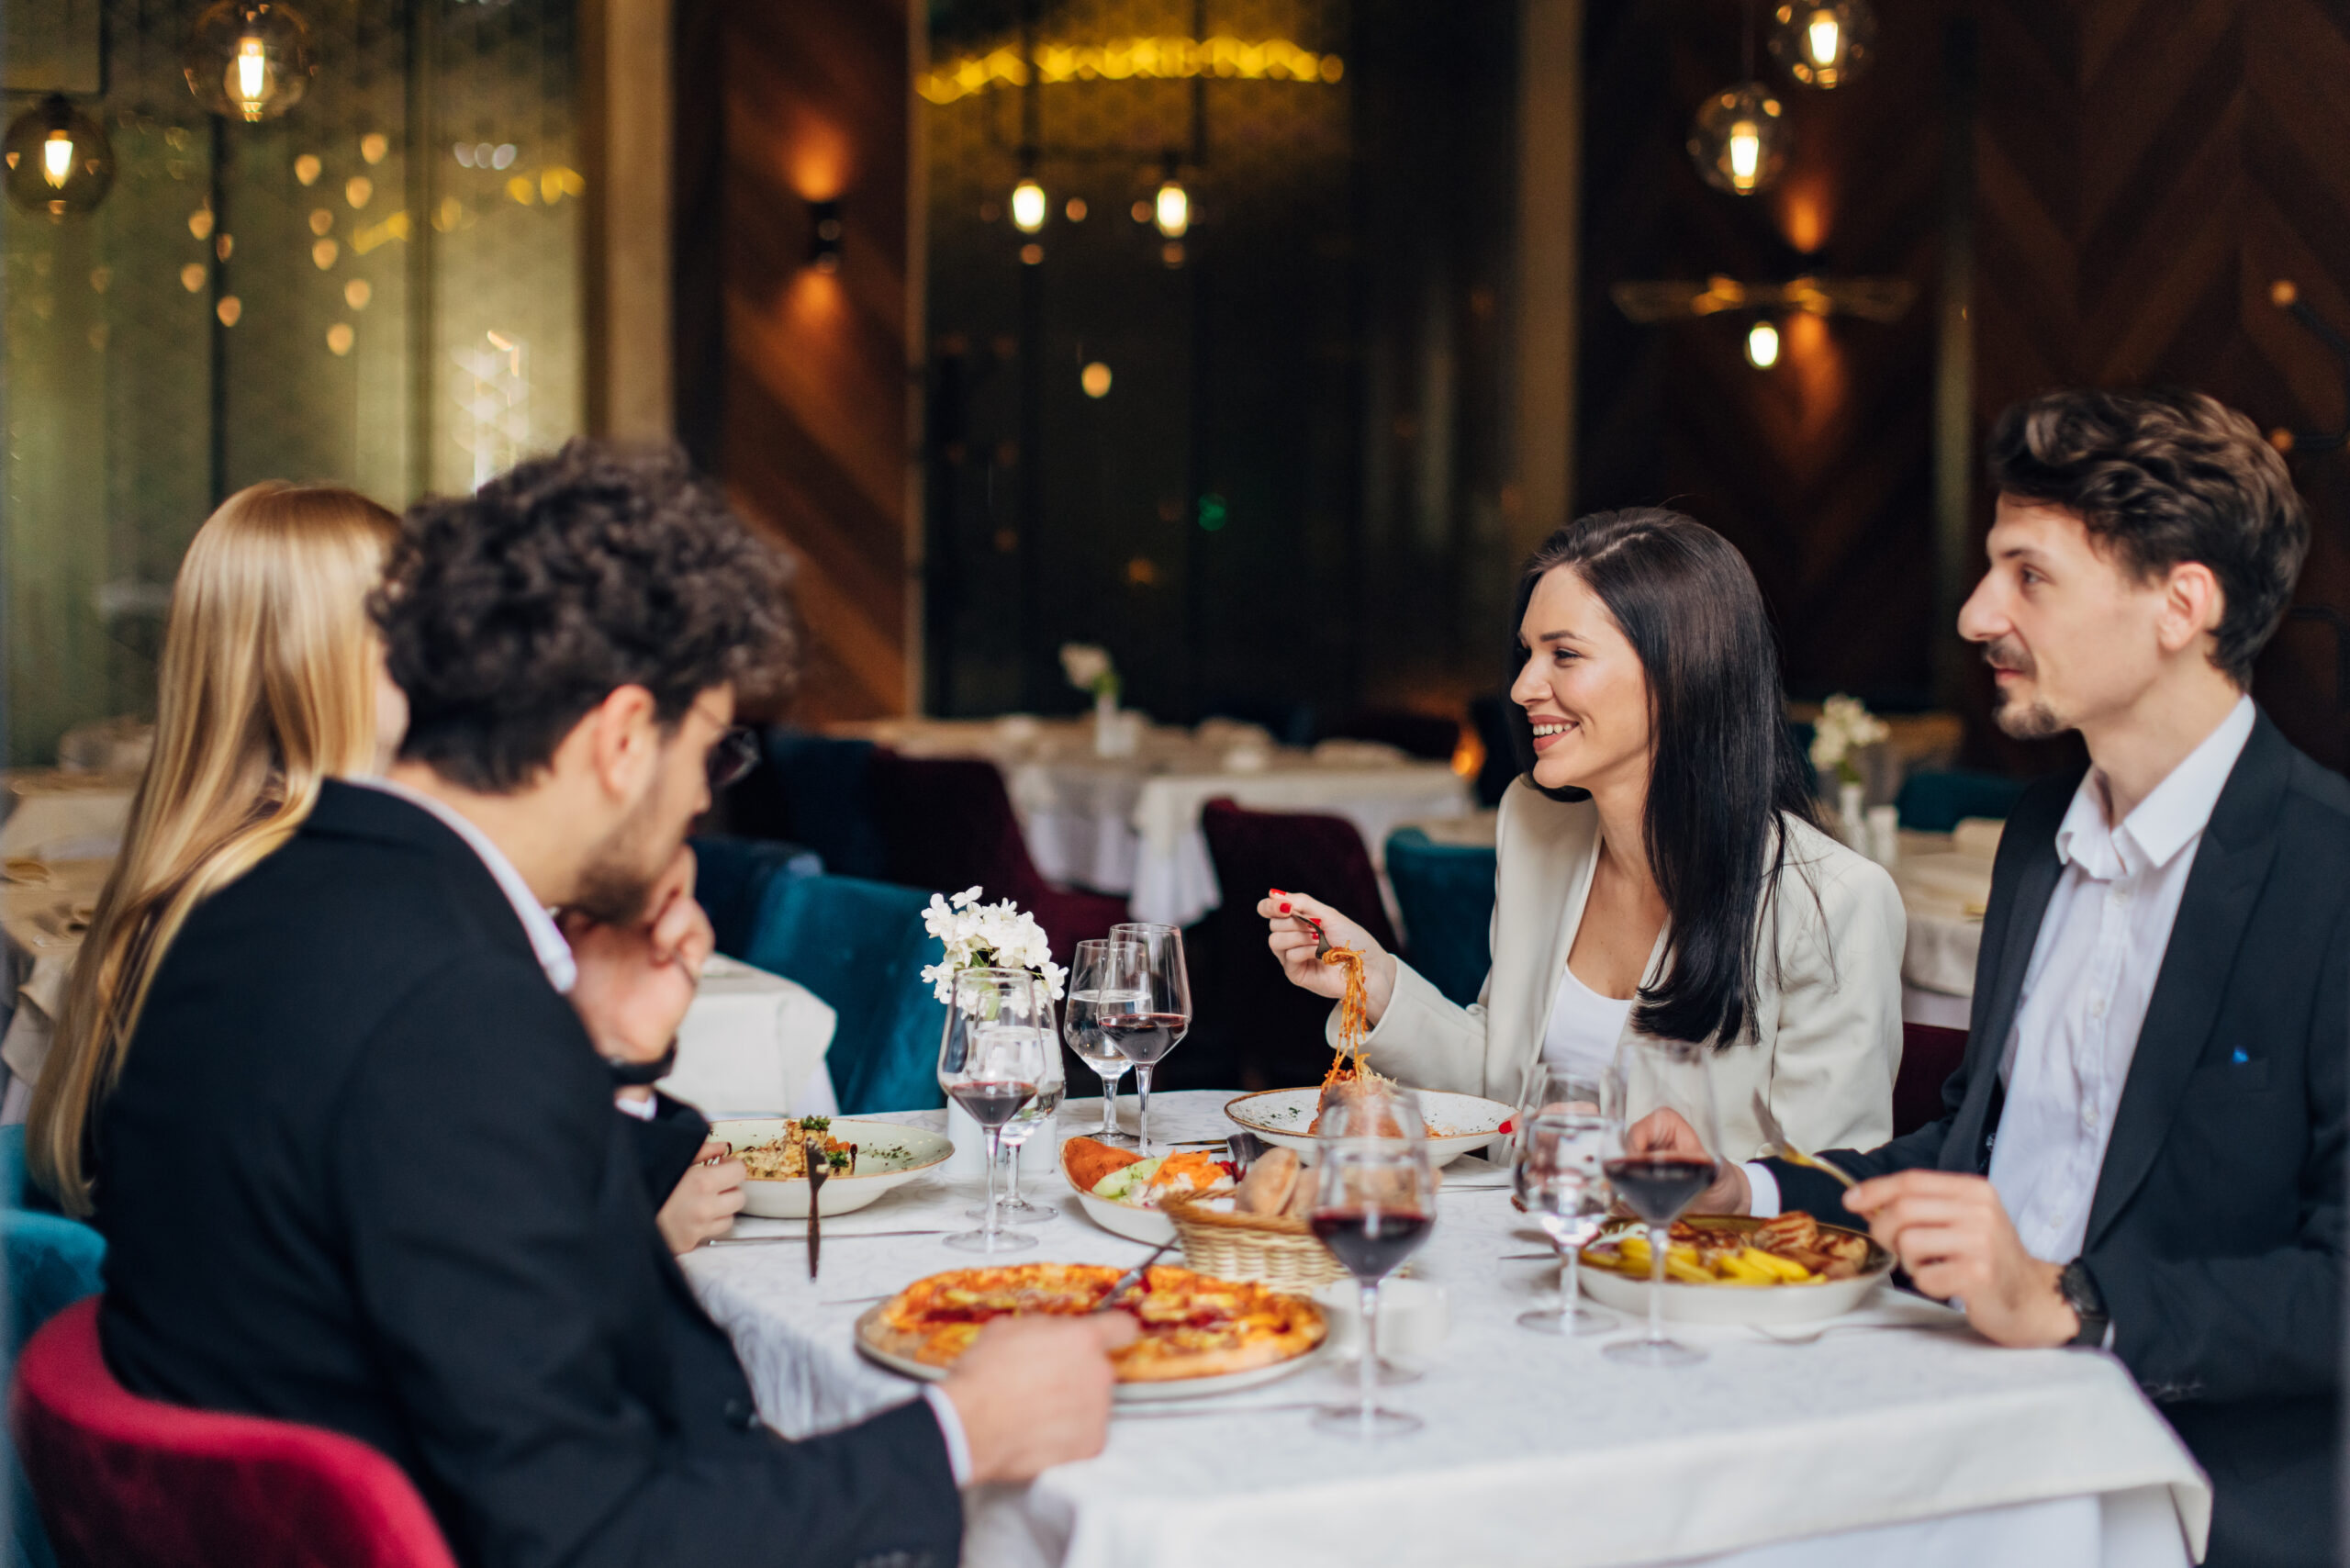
(819, 1172)
(1135, 1275)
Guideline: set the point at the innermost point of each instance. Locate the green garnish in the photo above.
(838, 1160)
(815, 1123)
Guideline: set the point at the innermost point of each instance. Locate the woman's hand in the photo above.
(705, 1201)
(1292, 943)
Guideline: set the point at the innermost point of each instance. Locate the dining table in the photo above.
(1894, 1434)
(1129, 823)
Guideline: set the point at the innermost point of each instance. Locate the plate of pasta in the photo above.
(865, 1160)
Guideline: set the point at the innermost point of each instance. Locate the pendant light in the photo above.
(1823, 43)
(1030, 205)
(249, 60)
(58, 158)
(1739, 139)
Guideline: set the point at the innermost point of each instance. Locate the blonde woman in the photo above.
(269, 683)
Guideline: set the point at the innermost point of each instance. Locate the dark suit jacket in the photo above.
(363, 1170)
(2216, 1234)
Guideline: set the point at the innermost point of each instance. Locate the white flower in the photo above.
(986, 936)
(1088, 667)
(1845, 727)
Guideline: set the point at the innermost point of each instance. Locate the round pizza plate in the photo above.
(1120, 1394)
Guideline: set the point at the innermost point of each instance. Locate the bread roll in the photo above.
(1301, 1197)
(1267, 1187)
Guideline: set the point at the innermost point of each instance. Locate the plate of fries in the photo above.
(1731, 1269)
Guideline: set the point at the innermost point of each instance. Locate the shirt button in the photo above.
(2096, 1008)
(2119, 899)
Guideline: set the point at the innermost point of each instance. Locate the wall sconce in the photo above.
(824, 236)
(58, 158)
(249, 60)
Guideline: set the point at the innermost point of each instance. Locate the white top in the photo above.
(2085, 992)
(1583, 1028)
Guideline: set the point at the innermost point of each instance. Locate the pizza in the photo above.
(1192, 1325)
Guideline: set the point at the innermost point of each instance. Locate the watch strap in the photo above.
(2078, 1288)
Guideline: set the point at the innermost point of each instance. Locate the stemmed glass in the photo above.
(990, 1061)
(1556, 1154)
(1657, 1183)
(1108, 979)
(1034, 1117)
(1145, 1035)
(1374, 1203)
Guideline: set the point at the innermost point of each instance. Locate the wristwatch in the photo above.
(2080, 1293)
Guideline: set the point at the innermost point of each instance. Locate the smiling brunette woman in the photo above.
(1660, 871)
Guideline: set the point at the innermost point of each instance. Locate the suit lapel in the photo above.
(2229, 867)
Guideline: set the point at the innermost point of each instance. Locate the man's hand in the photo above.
(1034, 1392)
(636, 981)
(1952, 1234)
(705, 1201)
(1663, 1131)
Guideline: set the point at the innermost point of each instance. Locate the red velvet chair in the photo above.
(1276, 1029)
(122, 1479)
(947, 823)
(1929, 1053)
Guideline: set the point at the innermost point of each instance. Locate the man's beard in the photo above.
(617, 881)
(2023, 721)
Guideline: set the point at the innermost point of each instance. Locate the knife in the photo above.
(819, 1171)
(1135, 1275)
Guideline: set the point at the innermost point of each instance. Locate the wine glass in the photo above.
(1374, 1203)
(991, 1060)
(1654, 1182)
(1034, 1117)
(1145, 1035)
(1106, 979)
(1561, 1141)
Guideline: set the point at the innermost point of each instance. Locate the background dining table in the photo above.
(1898, 1436)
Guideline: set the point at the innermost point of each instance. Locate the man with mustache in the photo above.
(2143, 1148)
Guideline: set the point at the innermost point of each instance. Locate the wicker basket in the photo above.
(1270, 1249)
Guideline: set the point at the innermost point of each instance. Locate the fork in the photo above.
(1321, 937)
(819, 1171)
(1787, 1151)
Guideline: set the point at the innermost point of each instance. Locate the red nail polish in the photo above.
(1279, 894)
(1285, 908)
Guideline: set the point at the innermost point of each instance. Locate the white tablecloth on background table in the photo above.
(1945, 883)
(38, 936)
(754, 1043)
(1921, 1445)
(49, 814)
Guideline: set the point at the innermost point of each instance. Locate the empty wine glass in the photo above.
(1107, 979)
(1034, 1117)
(991, 1060)
(1656, 1182)
(1561, 1141)
(1374, 1203)
(1147, 1035)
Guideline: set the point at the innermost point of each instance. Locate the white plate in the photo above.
(1120, 1394)
(889, 1155)
(1281, 1116)
(1749, 1304)
(1125, 1219)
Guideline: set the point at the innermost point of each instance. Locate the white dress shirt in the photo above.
(547, 944)
(2092, 973)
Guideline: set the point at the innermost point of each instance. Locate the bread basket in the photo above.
(1272, 1250)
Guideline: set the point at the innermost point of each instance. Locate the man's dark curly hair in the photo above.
(508, 613)
(2164, 478)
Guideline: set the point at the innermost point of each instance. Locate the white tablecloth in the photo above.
(754, 1043)
(1896, 1445)
(38, 936)
(54, 815)
(1945, 885)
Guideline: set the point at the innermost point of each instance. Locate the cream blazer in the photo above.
(1826, 1038)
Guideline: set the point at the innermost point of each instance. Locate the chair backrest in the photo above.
(947, 823)
(732, 877)
(1431, 737)
(1445, 894)
(819, 782)
(122, 1479)
(1929, 1053)
(861, 947)
(52, 1262)
(1935, 801)
(1277, 1028)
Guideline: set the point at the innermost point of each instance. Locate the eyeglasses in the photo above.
(732, 757)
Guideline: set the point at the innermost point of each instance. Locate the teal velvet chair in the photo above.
(1445, 894)
(52, 1263)
(1935, 801)
(860, 945)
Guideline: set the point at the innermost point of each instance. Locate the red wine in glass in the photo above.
(1658, 1187)
(992, 1101)
(1371, 1243)
(1144, 1037)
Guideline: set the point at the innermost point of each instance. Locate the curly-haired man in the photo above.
(401, 1205)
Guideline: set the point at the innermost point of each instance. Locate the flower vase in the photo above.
(1851, 814)
(1106, 728)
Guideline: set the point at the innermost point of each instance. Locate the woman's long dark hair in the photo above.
(1725, 770)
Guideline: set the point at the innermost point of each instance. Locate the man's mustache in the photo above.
(2007, 654)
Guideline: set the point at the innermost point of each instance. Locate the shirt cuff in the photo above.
(1763, 1191)
(950, 1426)
(643, 1109)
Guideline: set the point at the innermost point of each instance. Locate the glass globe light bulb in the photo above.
(1029, 207)
(1763, 345)
(1739, 139)
(1172, 210)
(249, 60)
(1823, 43)
(57, 159)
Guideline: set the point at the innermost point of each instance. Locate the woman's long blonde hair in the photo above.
(267, 686)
